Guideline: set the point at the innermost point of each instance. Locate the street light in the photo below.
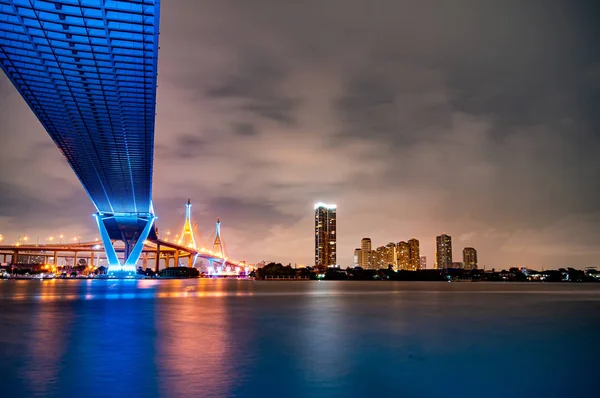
(51, 238)
(1, 237)
(61, 236)
(25, 238)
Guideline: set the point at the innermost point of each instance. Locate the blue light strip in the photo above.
(111, 254)
(114, 265)
(134, 256)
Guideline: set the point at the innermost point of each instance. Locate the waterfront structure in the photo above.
(423, 262)
(357, 257)
(443, 245)
(414, 255)
(365, 248)
(30, 259)
(403, 256)
(69, 254)
(325, 238)
(457, 265)
(88, 69)
(470, 258)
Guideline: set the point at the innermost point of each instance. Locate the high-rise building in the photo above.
(29, 259)
(443, 246)
(365, 250)
(470, 258)
(379, 255)
(414, 255)
(403, 255)
(325, 239)
(391, 256)
(423, 262)
(357, 258)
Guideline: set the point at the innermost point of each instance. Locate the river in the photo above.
(242, 338)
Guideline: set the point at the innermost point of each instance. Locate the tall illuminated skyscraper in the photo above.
(325, 239)
(470, 258)
(357, 257)
(443, 253)
(414, 255)
(365, 251)
(391, 256)
(403, 256)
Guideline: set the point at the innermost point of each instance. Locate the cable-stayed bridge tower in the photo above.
(218, 244)
(187, 234)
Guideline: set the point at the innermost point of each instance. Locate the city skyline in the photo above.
(496, 146)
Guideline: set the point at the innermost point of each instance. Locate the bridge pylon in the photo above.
(218, 244)
(131, 228)
(187, 234)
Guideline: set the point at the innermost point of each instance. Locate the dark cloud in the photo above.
(245, 129)
(280, 110)
(189, 146)
(255, 86)
(256, 77)
(28, 212)
(475, 118)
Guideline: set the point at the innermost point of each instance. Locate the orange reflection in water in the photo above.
(193, 349)
(46, 343)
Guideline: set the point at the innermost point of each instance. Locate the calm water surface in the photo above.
(229, 338)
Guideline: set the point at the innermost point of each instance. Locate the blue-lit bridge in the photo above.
(88, 70)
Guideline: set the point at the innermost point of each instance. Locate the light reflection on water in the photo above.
(184, 338)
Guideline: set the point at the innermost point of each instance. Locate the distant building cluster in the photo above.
(400, 256)
(404, 255)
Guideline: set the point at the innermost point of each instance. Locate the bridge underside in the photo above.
(88, 69)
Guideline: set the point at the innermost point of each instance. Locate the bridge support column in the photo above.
(56, 259)
(190, 261)
(125, 227)
(176, 258)
(157, 258)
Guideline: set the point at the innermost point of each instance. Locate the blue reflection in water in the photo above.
(296, 339)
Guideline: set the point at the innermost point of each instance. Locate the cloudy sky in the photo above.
(471, 117)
